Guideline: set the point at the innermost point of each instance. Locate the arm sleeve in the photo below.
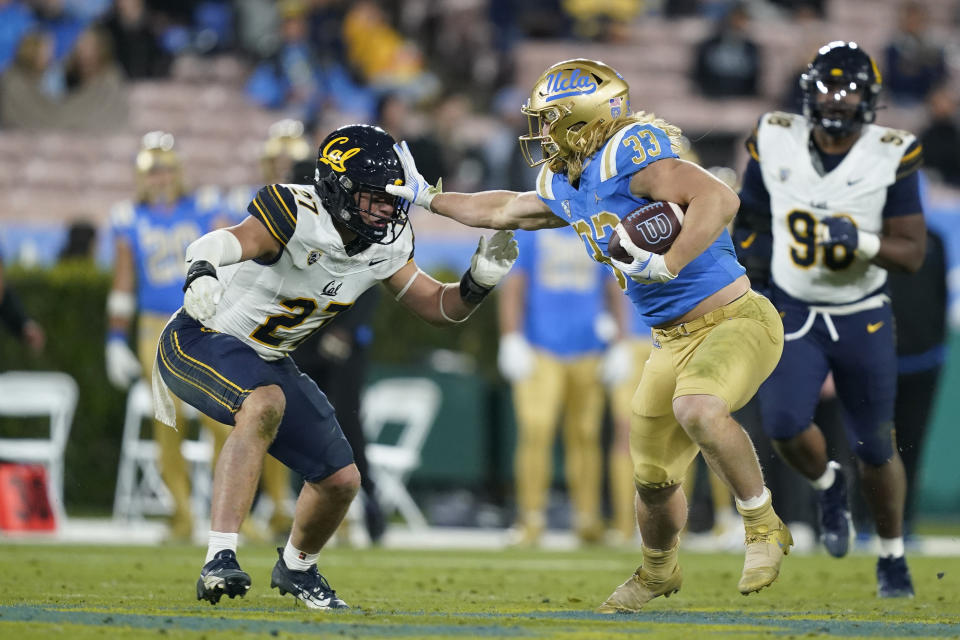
(276, 208)
(903, 196)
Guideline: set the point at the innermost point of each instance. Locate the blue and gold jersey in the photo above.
(603, 197)
(561, 282)
(158, 238)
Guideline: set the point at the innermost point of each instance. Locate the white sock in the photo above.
(218, 541)
(753, 503)
(298, 560)
(827, 479)
(891, 547)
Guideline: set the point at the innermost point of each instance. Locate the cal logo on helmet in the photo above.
(335, 157)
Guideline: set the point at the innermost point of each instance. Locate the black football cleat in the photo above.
(836, 525)
(222, 576)
(893, 578)
(309, 587)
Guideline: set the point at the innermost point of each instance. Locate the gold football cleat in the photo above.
(640, 589)
(766, 547)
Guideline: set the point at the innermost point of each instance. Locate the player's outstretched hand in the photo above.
(123, 367)
(493, 258)
(415, 189)
(201, 298)
(646, 267)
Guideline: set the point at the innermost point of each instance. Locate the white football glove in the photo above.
(415, 189)
(515, 357)
(202, 297)
(123, 366)
(493, 258)
(646, 267)
(617, 363)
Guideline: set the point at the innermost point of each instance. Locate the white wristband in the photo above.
(868, 245)
(121, 304)
(219, 248)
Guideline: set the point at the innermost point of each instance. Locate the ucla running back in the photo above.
(842, 198)
(715, 340)
(254, 292)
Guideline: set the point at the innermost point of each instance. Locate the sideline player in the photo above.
(716, 340)
(151, 237)
(843, 197)
(257, 290)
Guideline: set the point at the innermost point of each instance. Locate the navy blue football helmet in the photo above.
(354, 165)
(840, 69)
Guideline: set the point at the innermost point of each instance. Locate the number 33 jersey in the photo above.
(274, 306)
(800, 198)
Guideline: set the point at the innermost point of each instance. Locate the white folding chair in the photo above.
(40, 393)
(140, 488)
(412, 403)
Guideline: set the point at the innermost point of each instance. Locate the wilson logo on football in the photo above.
(655, 229)
(336, 157)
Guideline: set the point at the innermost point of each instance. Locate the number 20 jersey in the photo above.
(800, 198)
(275, 306)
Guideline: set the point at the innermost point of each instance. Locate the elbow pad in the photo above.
(219, 248)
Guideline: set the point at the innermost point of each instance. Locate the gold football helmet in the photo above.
(569, 100)
(285, 147)
(159, 173)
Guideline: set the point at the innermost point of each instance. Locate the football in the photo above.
(652, 227)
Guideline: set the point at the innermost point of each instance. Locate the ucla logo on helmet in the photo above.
(566, 83)
(656, 228)
(334, 157)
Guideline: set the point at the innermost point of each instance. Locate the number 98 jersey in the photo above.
(800, 198)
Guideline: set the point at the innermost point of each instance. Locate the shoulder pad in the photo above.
(632, 148)
(545, 183)
(275, 206)
(122, 214)
(207, 197)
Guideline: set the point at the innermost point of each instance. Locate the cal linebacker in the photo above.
(255, 291)
(715, 339)
(842, 198)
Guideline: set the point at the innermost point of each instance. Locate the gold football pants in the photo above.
(726, 353)
(557, 388)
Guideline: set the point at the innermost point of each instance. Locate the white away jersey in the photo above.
(274, 307)
(800, 198)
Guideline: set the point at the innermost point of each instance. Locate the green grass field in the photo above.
(138, 592)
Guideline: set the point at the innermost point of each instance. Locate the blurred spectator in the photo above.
(96, 97)
(460, 143)
(462, 36)
(380, 54)
(941, 138)
(23, 101)
(398, 119)
(508, 169)
(135, 42)
(606, 20)
(728, 62)
(914, 62)
(16, 21)
(258, 26)
(301, 80)
(80, 243)
(16, 319)
(792, 6)
(55, 18)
